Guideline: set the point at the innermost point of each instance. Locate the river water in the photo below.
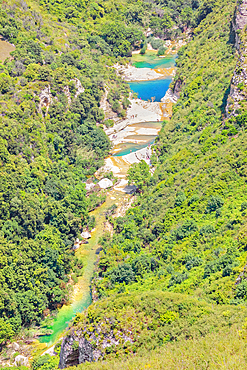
(81, 297)
(87, 253)
(151, 89)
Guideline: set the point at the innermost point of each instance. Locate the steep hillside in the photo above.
(51, 142)
(52, 138)
(187, 231)
(134, 323)
(171, 280)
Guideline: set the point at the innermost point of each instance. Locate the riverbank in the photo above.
(171, 46)
(139, 111)
(131, 73)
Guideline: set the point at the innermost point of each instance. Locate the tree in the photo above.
(241, 290)
(6, 331)
(5, 82)
(139, 175)
(120, 38)
(187, 16)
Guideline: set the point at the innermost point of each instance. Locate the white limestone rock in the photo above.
(86, 235)
(21, 360)
(105, 183)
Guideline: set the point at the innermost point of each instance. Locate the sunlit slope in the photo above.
(187, 230)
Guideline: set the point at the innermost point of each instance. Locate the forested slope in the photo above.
(187, 230)
(174, 268)
(51, 134)
(51, 141)
(186, 233)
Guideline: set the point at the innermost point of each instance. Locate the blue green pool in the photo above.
(148, 89)
(61, 321)
(127, 148)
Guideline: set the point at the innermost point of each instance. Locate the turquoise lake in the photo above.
(148, 89)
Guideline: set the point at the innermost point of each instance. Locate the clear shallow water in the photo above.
(141, 137)
(153, 124)
(148, 89)
(151, 60)
(127, 148)
(65, 314)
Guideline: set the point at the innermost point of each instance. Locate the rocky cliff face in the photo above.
(90, 343)
(46, 98)
(237, 99)
(74, 351)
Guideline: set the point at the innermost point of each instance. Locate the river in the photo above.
(135, 138)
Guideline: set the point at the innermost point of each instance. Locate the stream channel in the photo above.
(134, 139)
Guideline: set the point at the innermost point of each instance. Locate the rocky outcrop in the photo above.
(74, 351)
(46, 98)
(242, 276)
(169, 96)
(78, 86)
(21, 360)
(131, 73)
(177, 87)
(238, 90)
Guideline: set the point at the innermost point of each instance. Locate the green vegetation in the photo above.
(216, 351)
(183, 234)
(51, 142)
(184, 239)
(170, 281)
(45, 362)
(142, 322)
(162, 50)
(52, 138)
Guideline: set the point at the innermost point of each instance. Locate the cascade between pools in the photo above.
(131, 144)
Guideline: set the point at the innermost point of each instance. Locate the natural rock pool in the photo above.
(137, 135)
(127, 148)
(154, 88)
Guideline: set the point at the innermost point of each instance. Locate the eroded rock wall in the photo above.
(74, 351)
(89, 344)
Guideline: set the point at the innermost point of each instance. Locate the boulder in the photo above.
(85, 235)
(105, 183)
(15, 346)
(21, 360)
(90, 186)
